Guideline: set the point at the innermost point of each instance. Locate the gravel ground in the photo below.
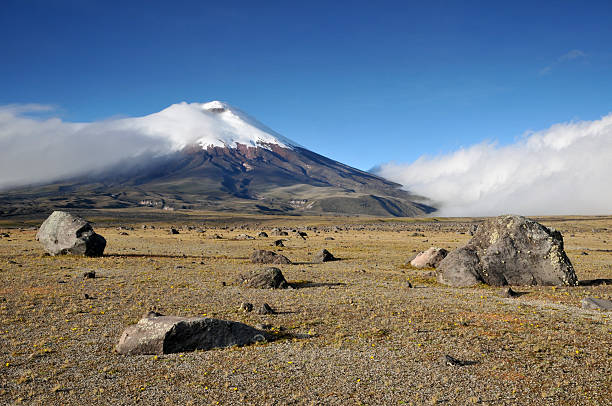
(372, 340)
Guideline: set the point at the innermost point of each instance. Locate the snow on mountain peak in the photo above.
(215, 123)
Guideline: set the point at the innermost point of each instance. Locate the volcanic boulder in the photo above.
(430, 258)
(268, 257)
(158, 334)
(269, 278)
(509, 250)
(323, 256)
(63, 233)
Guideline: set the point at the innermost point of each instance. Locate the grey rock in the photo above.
(268, 257)
(266, 309)
(323, 256)
(263, 234)
(592, 303)
(508, 292)
(246, 307)
(509, 250)
(63, 233)
(269, 278)
(174, 231)
(89, 275)
(158, 334)
(454, 362)
(429, 258)
(279, 243)
(279, 232)
(329, 238)
(244, 237)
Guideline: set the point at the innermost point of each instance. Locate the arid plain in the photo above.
(352, 331)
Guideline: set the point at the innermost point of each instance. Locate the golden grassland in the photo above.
(373, 340)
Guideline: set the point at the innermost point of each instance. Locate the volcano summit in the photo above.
(217, 157)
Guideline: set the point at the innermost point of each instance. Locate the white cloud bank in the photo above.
(566, 169)
(33, 150)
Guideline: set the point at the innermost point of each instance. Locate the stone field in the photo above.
(365, 328)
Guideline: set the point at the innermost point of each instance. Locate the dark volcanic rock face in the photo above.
(509, 250)
(266, 178)
(63, 233)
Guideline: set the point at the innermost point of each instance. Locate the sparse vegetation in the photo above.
(372, 339)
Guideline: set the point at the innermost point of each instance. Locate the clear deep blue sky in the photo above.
(360, 82)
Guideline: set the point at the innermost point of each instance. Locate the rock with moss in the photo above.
(64, 233)
(509, 250)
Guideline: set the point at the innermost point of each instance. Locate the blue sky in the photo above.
(361, 82)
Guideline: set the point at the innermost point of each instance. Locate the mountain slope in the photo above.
(223, 160)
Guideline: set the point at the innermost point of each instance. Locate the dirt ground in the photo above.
(372, 339)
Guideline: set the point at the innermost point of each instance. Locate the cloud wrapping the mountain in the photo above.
(565, 169)
(34, 150)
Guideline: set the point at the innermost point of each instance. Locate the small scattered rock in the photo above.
(246, 307)
(329, 238)
(592, 303)
(429, 258)
(508, 292)
(244, 237)
(174, 231)
(263, 234)
(266, 309)
(452, 361)
(278, 232)
(323, 256)
(89, 275)
(279, 243)
(268, 257)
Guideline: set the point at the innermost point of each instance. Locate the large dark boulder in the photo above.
(158, 334)
(269, 278)
(509, 250)
(268, 257)
(63, 233)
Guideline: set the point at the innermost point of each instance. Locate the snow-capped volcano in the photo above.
(208, 156)
(212, 124)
